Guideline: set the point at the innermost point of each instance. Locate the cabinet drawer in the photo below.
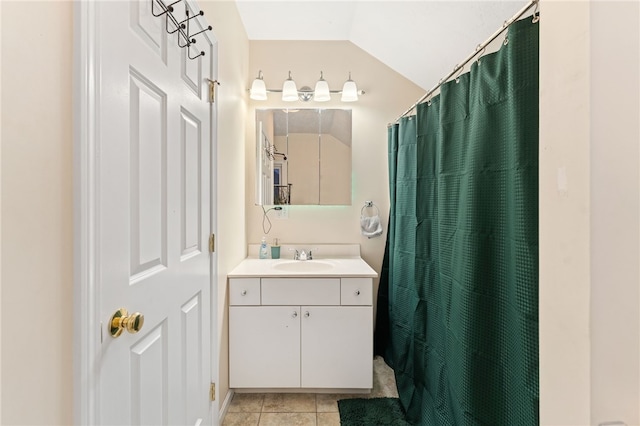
(244, 291)
(301, 291)
(356, 291)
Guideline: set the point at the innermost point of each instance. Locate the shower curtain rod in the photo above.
(479, 50)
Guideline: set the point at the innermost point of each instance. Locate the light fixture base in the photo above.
(305, 94)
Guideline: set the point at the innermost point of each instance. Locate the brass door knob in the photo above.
(121, 320)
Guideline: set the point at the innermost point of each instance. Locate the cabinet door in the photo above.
(264, 346)
(337, 347)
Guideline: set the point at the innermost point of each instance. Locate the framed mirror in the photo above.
(303, 156)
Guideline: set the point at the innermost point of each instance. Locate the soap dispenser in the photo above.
(264, 253)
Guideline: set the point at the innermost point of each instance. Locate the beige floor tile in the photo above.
(289, 403)
(241, 419)
(328, 419)
(303, 409)
(384, 381)
(328, 402)
(246, 403)
(287, 419)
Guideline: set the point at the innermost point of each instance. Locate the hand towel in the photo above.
(370, 226)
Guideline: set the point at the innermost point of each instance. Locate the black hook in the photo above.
(188, 18)
(167, 9)
(186, 35)
(195, 57)
(173, 21)
(182, 27)
(209, 28)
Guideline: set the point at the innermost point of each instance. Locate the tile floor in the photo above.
(302, 409)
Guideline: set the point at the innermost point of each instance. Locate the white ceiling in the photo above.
(421, 39)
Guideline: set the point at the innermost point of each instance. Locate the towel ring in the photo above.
(369, 204)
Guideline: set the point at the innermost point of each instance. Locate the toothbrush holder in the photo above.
(275, 252)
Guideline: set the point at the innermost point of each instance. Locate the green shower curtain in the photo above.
(461, 269)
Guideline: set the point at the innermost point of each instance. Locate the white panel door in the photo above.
(153, 221)
(337, 347)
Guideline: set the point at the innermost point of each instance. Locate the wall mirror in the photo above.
(303, 156)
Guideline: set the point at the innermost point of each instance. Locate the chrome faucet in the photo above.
(302, 255)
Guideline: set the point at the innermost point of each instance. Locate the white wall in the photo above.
(231, 241)
(564, 213)
(37, 232)
(615, 213)
(0, 221)
(589, 230)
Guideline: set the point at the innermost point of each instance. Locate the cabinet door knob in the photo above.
(357, 292)
(307, 314)
(294, 315)
(244, 292)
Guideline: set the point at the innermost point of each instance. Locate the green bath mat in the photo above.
(371, 412)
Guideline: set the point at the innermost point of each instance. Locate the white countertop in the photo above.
(323, 267)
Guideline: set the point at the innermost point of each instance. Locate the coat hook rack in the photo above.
(172, 25)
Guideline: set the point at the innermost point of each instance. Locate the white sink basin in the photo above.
(308, 266)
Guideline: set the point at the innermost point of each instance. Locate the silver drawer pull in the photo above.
(307, 314)
(357, 292)
(244, 292)
(294, 315)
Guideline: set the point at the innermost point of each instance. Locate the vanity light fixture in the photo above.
(349, 91)
(258, 89)
(290, 92)
(321, 92)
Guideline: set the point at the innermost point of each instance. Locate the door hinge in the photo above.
(212, 90)
(212, 392)
(212, 243)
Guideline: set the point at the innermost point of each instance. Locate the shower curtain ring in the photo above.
(536, 15)
(480, 54)
(459, 69)
(506, 35)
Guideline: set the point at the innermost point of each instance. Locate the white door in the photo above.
(154, 217)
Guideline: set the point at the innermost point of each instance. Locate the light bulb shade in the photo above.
(349, 91)
(321, 92)
(289, 90)
(258, 90)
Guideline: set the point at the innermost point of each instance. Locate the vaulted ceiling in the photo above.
(422, 39)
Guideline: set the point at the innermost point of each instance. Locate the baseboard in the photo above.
(225, 406)
(352, 391)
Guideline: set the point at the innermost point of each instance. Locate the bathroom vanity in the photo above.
(302, 325)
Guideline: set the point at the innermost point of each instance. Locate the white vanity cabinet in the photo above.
(311, 333)
(336, 347)
(264, 346)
